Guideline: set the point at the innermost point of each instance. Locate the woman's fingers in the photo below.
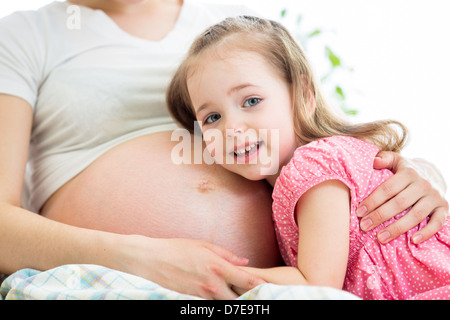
(386, 160)
(406, 223)
(380, 210)
(405, 189)
(404, 176)
(435, 224)
(417, 214)
(420, 209)
(228, 255)
(228, 276)
(386, 201)
(239, 281)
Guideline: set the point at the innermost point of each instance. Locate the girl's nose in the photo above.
(234, 132)
(235, 124)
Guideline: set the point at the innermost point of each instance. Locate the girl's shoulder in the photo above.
(336, 149)
(337, 157)
(338, 144)
(345, 159)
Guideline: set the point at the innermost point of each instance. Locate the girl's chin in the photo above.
(253, 174)
(131, 1)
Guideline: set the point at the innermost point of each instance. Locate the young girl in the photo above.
(247, 79)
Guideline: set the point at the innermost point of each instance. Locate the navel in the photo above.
(205, 185)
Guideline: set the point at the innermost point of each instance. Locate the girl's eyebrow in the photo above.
(240, 87)
(203, 106)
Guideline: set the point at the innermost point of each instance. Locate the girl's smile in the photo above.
(247, 153)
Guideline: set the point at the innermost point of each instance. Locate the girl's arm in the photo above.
(416, 183)
(323, 215)
(323, 218)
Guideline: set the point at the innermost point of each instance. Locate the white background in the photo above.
(400, 53)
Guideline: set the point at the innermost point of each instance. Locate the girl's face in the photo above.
(245, 110)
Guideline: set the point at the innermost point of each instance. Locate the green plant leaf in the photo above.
(340, 92)
(314, 33)
(351, 112)
(336, 65)
(334, 59)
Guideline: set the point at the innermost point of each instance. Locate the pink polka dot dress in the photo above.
(397, 270)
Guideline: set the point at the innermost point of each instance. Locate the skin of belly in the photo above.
(135, 188)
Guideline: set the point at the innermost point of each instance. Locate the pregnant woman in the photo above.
(82, 87)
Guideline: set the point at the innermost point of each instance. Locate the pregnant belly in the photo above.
(135, 188)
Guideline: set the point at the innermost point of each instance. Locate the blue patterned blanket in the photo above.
(91, 282)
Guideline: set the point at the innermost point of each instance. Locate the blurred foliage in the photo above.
(335, 64)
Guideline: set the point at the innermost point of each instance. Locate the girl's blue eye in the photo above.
(251, 102)
(212, 118)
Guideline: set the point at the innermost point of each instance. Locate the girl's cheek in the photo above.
(211, 149)
(216, 145)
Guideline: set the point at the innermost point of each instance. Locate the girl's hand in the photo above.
(187, 266)
(415, 183)
(284, 275)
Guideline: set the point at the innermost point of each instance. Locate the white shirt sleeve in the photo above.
(21, 57)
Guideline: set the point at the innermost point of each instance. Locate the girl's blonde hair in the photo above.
(273, 42)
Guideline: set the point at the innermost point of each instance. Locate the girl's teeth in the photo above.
(248, 148)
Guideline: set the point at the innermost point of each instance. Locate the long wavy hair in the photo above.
(274, 43)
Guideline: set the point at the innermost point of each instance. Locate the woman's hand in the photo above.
(415, 183)
(187, 266)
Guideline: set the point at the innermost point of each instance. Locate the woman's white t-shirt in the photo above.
(91, 85)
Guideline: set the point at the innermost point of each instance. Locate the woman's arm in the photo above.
(29, 240)
(32, 241)
(416, 183)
